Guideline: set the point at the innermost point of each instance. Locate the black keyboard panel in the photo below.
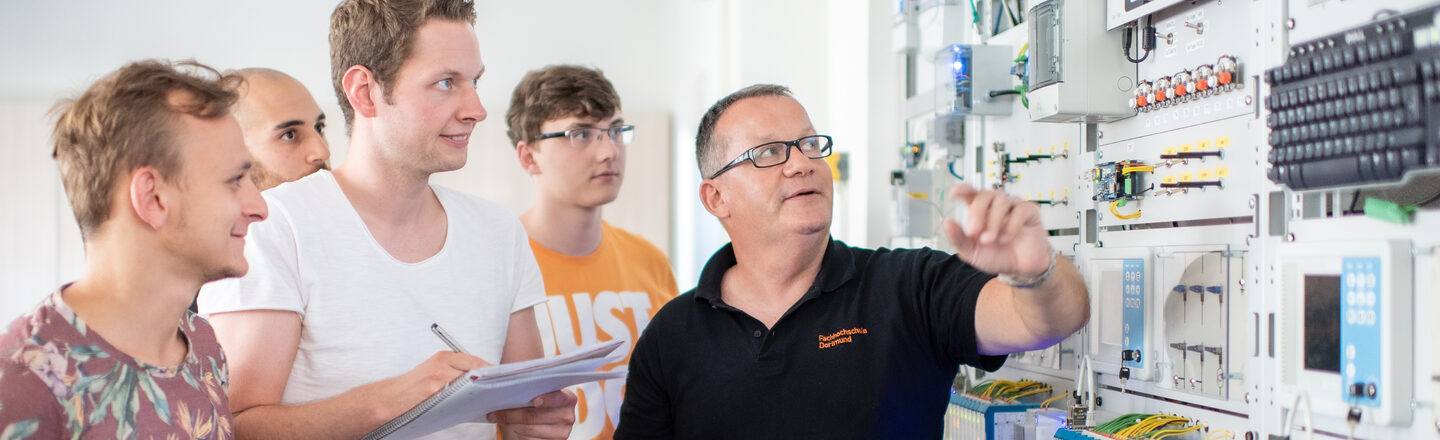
(1357, 107)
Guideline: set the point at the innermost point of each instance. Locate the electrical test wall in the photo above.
(1220, 290)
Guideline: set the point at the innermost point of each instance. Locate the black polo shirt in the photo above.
(869, 351)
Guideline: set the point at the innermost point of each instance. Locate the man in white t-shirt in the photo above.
(328, 335)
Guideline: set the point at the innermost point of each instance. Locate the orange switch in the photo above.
(1201, 85)
(1224, 77)
(1179, 90)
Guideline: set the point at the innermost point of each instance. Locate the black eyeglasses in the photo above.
(770, 154)
(583, 137)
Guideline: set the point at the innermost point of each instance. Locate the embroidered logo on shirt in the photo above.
(841, 337)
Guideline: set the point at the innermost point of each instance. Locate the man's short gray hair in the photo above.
(705, 141)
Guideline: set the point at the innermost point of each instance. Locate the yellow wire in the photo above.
(1031, 392)
(990, 389)
(1159, 427)
(1047, 402)
(1217, 435)
(1021, 386)
(1130, 430)
(1175, 432)
(1148, 424)
(997, 388)
(1117, 213)
(1128, 170)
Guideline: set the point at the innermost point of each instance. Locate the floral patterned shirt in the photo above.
(59, 380)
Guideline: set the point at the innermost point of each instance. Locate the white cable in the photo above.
(1090, 367)
(1086, 381)
(1309, 416)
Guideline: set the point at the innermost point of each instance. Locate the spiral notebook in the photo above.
(482, 391)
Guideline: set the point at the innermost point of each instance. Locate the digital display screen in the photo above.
(1322, 323)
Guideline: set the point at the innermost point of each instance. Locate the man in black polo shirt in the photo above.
(791, 334)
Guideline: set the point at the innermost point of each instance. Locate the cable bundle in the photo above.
(1006, 390)
(1146, 426)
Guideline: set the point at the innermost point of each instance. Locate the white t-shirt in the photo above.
(366, 316)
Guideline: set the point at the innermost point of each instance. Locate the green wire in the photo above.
(1120, 423)
(980, 388)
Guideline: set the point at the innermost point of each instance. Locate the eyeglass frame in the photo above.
(609, 133)
(789, 145)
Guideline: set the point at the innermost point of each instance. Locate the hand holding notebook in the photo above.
(484, 390)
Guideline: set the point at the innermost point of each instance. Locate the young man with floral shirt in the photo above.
(156, 170)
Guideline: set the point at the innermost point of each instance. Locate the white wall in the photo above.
(830, 53)
(40, 243)
(669, 61)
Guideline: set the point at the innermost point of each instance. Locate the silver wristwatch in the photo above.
(1032, 282)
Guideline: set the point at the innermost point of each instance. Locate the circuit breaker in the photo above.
(1078, 73)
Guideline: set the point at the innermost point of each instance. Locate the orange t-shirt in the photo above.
(610, 294)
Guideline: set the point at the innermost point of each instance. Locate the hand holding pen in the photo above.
(445, 337)
(552, 415)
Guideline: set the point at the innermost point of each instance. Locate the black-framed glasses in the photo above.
(770, 154)
(582, 137)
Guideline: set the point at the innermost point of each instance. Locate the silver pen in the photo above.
(435, 327)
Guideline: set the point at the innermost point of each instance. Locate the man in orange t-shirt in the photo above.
(603, 282)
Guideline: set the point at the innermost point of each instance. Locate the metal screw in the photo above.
(1290, 24)
(1100, 134)
(1247, 99)
(1252, 202)
(1290, 237)
(1100, 154)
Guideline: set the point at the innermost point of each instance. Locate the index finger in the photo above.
(963, 192)
(461, 361)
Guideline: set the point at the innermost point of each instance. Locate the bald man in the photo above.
(283, 127)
